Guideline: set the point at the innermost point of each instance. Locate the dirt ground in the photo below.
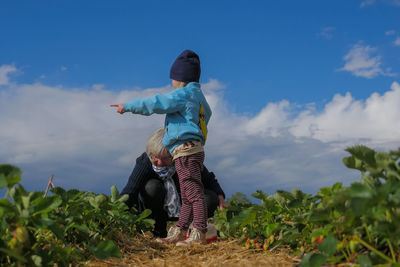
(144, 251)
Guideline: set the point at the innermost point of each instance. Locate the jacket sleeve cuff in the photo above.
(126, 108)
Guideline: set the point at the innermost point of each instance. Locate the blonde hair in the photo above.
(154, 146)
(182, 84)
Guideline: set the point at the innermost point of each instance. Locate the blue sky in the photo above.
(292, 82)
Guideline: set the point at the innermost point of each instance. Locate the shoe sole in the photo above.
(167, 242)
(182, 244)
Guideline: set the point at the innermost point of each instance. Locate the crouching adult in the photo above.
(153, 184)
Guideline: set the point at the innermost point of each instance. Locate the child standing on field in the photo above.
(187, 115)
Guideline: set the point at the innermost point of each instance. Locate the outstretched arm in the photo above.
(159, 104)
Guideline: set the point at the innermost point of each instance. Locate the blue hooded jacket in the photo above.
(182, 109)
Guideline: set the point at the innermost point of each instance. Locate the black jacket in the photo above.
(143, 171)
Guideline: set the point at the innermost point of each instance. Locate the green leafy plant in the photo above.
(359, 223)
(66, 227)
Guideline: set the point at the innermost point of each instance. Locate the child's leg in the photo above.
(192, 192)
(186, 213)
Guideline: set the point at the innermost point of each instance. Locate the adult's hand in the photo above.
(222, 203)
(120, 108)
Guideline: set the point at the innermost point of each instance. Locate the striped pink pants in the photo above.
(194, 206)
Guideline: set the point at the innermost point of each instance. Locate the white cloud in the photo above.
(73, 133)
(365, 3)
(63, 68)
(397, 41)
(362, 61)
(392, 2)
(5, 70)
(98, 86)
(270, 121)
(348, 120)
(391, 32)
(327, 32)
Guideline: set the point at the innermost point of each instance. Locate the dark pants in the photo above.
(153, 195)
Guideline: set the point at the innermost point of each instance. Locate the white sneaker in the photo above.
(175, 234)
(196, 237)
(211, 234)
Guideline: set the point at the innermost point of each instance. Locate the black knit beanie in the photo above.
(186, 67)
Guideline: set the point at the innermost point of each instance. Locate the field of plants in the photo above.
(66, 227)
(359, 224)
(354, 225)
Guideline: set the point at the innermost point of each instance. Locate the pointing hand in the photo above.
(120, 108)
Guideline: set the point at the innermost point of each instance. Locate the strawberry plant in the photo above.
(68, 226)
(357, 224)
(364, 217)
